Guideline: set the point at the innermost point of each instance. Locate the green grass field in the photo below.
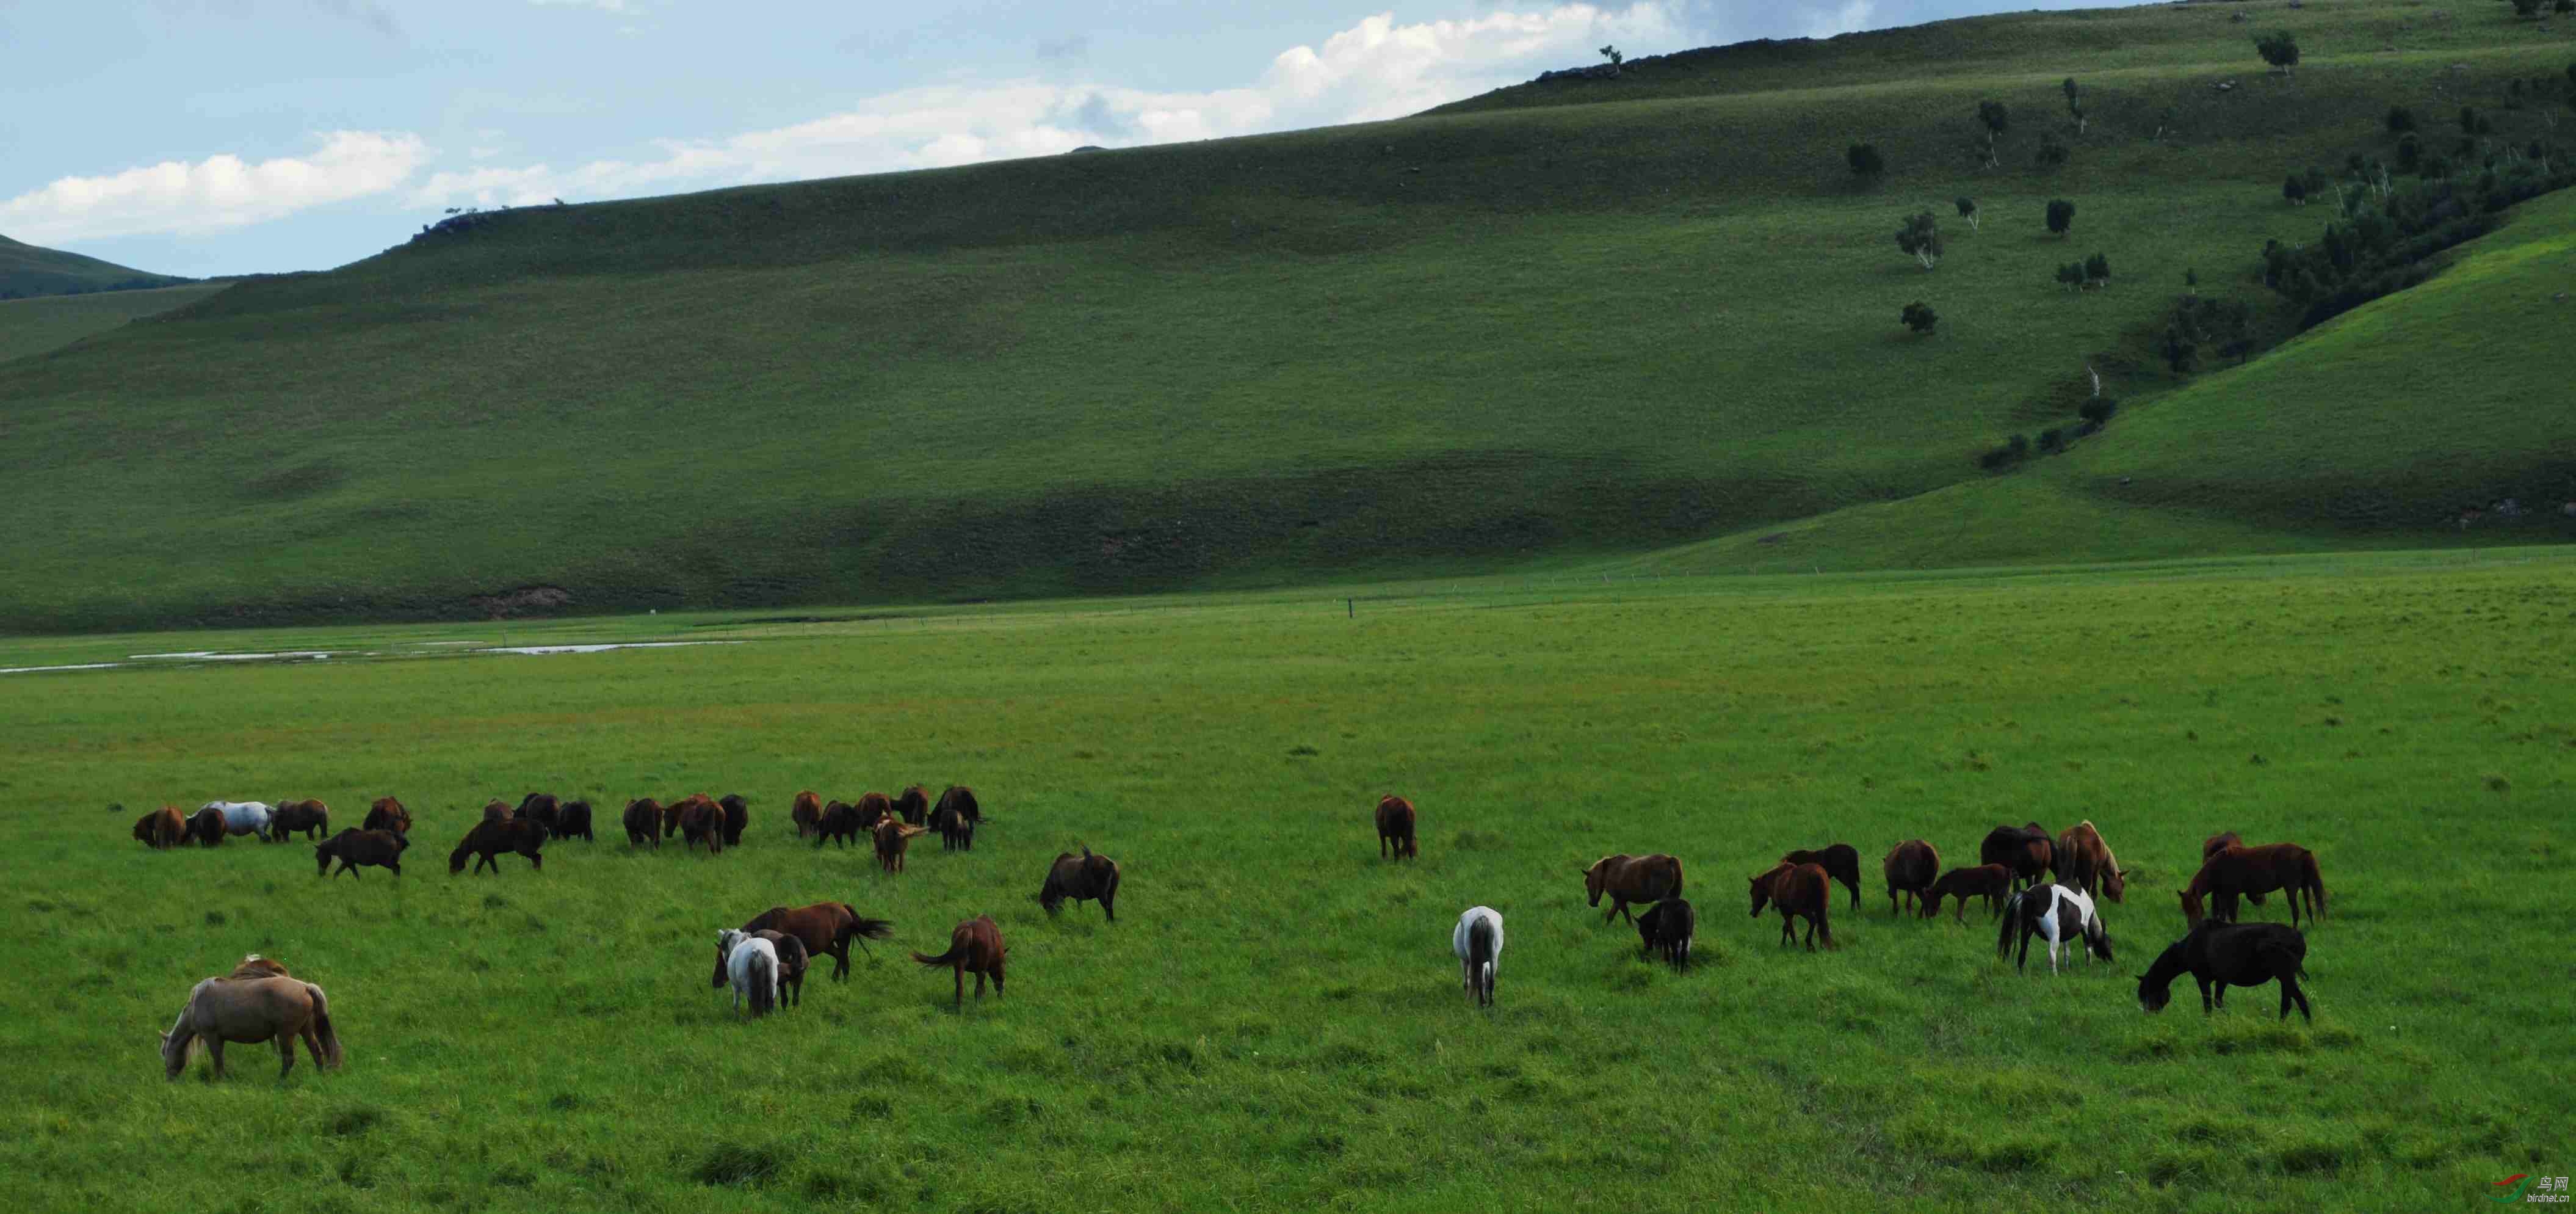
(1275, 1021)
(34, 326)
(1517, 335)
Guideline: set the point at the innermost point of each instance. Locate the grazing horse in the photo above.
(703, 821)
(387, 814)
(491, 837)
(1799, 889)
(1626, 879)
(956, 830)
(960, 800)
(792, 961)
(751, 964)
(242, 817)
(2256, 870)
(737, 817)
(1841, 861)
(840, 823)
(1478, 941)
(2221, 955)
(246, 1010)
(2085, 862)
(914, 805)
(206, 826)
(974, 947)
(1082, 878)
(2026, 850)
(541, 808)
(352, 848)
(162, 828)
(2220, 842)
(309, 816)
(826, 928)
(643, 822)
(893, 835)
(574, 819)
(1667, 928)
(1989, 881)
(1395, 828)
(805, 813)
(2058, 912)
(1911, 867)
(675, 814)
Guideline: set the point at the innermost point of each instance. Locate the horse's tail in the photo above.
(863, 929)
(2004, 929)
(764, 984)
(322, 1026)
(2315, 882)
(1480, 952)
(946, 958)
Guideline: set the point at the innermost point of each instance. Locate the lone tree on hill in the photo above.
(1865, 162)
(1920, 317)
(1612, 54)
(1968, 211)
(2061, 216)
(2280, 49)
(1920, 238)
(2097, 270)
(1996, 119)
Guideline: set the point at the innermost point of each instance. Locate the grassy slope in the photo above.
(1573, 330)
(28, 271)
(1274, 1022)
(34, 326)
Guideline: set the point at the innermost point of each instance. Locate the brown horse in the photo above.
(975, 947)
(960, 800)
(310, 816)
(1644, 880)
(2026, 850)
(1083, 878)
(162, 828)
(496, 810)
(387, 814)
(838, 825)
(1395, 828)
(207, 827)
(1798, 890)
(673, 812)
(491, 837)
(1841, 861)
(1911, 867)
(2085, 862)
(541, 808)
(2220, 842)
(914, 805)
(956, 830)
(792, 962)
(893, 835)
(247, 1010)
(352, 848)
(825, 928)
(2255, 870)
(643, 822)
(805, 812)
(574, 819)
(256, 966)
(737, 818)
(1988, 881)
(703, 821)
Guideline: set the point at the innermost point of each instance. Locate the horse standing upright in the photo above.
(1988, 881)
(643, 822)
(1478, 941)
(573, 820)
(1667, 927)
(491, 837)
(242, 817)
(1910, 867)
(387, 814)
(352, 848)
(2085, 861)
(826, 928)
(1395, 828)
(246, 1010)
(913, 806)
(974, 946)
(2221, 955)
(309, 816)
(737, 817)
(894, 837)
(2247, 871)
(1638, 879)
(162, 828)
(2027, 850)
(2056, 913)
(805, 812)
(751, 964)
(1841, 861)
(956, 830)
(1800, 891)
(541, 808)
(206, 826)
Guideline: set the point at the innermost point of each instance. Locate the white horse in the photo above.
(1479, 944)
(2061, 914)
(242, 817)
(752, 965)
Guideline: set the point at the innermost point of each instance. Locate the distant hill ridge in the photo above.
(27, 271)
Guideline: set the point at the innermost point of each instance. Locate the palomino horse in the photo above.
(1478, 941)
(975, 947)
(352, 848)
(805, 812)
(1395, 828)
(2057, 912)
(1988, 881)
(826, 928)
(2256, 870)
(251, 1009)
(2221, 955)
(1667, 928)
(310, 816)
(2085, 862)
(2026, 850)
(1082, 878)
(1800, 890)
(751, 964)
(737, 817)
(913, 805)
(242, 817)
(491, 837)
(893, 836)
(1841, 861)
(1911, 867)
(1625, 879)
(387, 814)
(162, 828)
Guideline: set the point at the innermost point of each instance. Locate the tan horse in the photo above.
(221, 1010)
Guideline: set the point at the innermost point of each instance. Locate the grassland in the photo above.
(34, 326)
(1518, 336)
(27, 271)
(1274, 1022)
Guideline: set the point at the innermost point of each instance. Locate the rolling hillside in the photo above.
(50, 322)
(1554, 325)
(27, 272)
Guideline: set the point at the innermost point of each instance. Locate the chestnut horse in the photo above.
(2026, 850)
(643, 822)
(703, 821)
(352, 848)
(675, 813)
(974, 947)
(1798, 889)
(2256, 870)
(1082, 878)
(206, 826)
(1990, 881)
(737, 817)
(914, 805)
(491, 837)
(246, 1010)
(2220, 842)
(893, 835)
(825, 928)
(1643, 880)
(805, 812)
(496, 810)
(162, 828)
(2221, 955)
(309, 815)
(1841, 861)
(1395, 828)
(2085, 862)
(1911, 867)
(387, 814)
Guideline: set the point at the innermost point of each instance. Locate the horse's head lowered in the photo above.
(1594, 878)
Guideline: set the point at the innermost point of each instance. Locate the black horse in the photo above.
(2222, 955)
(1667, 928)
(573, 818)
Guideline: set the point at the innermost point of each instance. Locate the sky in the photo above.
(211, 137)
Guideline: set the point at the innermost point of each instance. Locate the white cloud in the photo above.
(605, 6)
(1376, 69)
(215, 193)
(1850, 17)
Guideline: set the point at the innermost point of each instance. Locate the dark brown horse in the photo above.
(643, 822)
(1082, 878)
(703, 822)
(913, 805)
(2027, 850)
(387, 814)
(737, 818)
(2238, 871)
(310, 816)
(1667, 928)
(893, 836)
(673, 812)
(1841, 861)
(2221, 955)
(975, 947)
(960, 800)
(206, 826)
(541, 808)
(1910, 867)
(1988, 881)
(956, 830)
(574, 819)
(825, 928)
(1644, 880)
(805, 812)
(1395, 828)
(792, 962)
(1798, 890)
(493, 836)
(353, 848)
(2220, 842)
(2085, 862)
(839, 824)
(163, 828)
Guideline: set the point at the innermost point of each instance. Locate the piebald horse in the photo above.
(2059, 914)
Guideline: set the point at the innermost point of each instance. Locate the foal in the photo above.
(1667, 928)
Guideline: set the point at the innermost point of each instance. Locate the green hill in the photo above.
(50, 322)
(1518, 333)
(27, 272)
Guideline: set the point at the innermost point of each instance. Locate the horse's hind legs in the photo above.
(286, 1055)
(2290, 991)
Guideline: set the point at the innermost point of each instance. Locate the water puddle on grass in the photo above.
(209, 655)
(548, 649)
(449, 649)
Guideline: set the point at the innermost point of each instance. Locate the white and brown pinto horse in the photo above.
(242, 817)
(2062, 915)
(247, 1008)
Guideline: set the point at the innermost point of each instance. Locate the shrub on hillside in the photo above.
(1968, 206)
(1919, 317)
(2061, 216)
(1920, 238)
(2280, 49)
(1865, 162)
